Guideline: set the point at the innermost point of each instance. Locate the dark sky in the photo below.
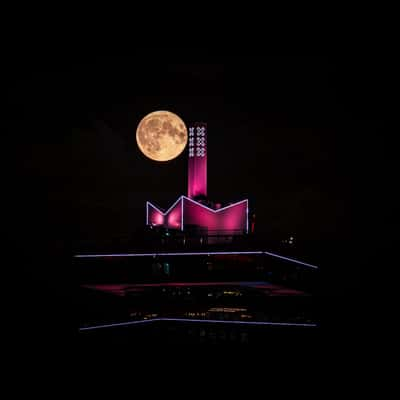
(299, 136)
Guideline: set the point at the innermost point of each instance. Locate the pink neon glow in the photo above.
(185, 211)
(228, 219)
(174, 217)
(170, 219)
(197, 163)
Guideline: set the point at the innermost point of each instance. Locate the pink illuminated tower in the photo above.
(197, 165)
(195, 210)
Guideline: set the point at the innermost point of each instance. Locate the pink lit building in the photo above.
(190, 212)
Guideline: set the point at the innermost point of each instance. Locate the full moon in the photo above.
(161, 135)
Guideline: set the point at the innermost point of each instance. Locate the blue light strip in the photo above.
(238, 322)
(198, 320)
(116, 324)
(196, 254)
(290, 259)
(200, 253)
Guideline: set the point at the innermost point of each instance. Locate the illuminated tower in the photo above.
(197, 164)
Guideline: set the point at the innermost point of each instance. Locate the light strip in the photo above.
(164, 213)
(238, 322)
(290, 259)
(115, 325)
(181, 215)
(164, 254)
(195, 202)
(210, 209)
(247, 217)
(194, 254)
(198, 320)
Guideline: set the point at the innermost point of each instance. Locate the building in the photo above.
(195, 213)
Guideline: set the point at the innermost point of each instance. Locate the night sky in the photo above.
(295, 135)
